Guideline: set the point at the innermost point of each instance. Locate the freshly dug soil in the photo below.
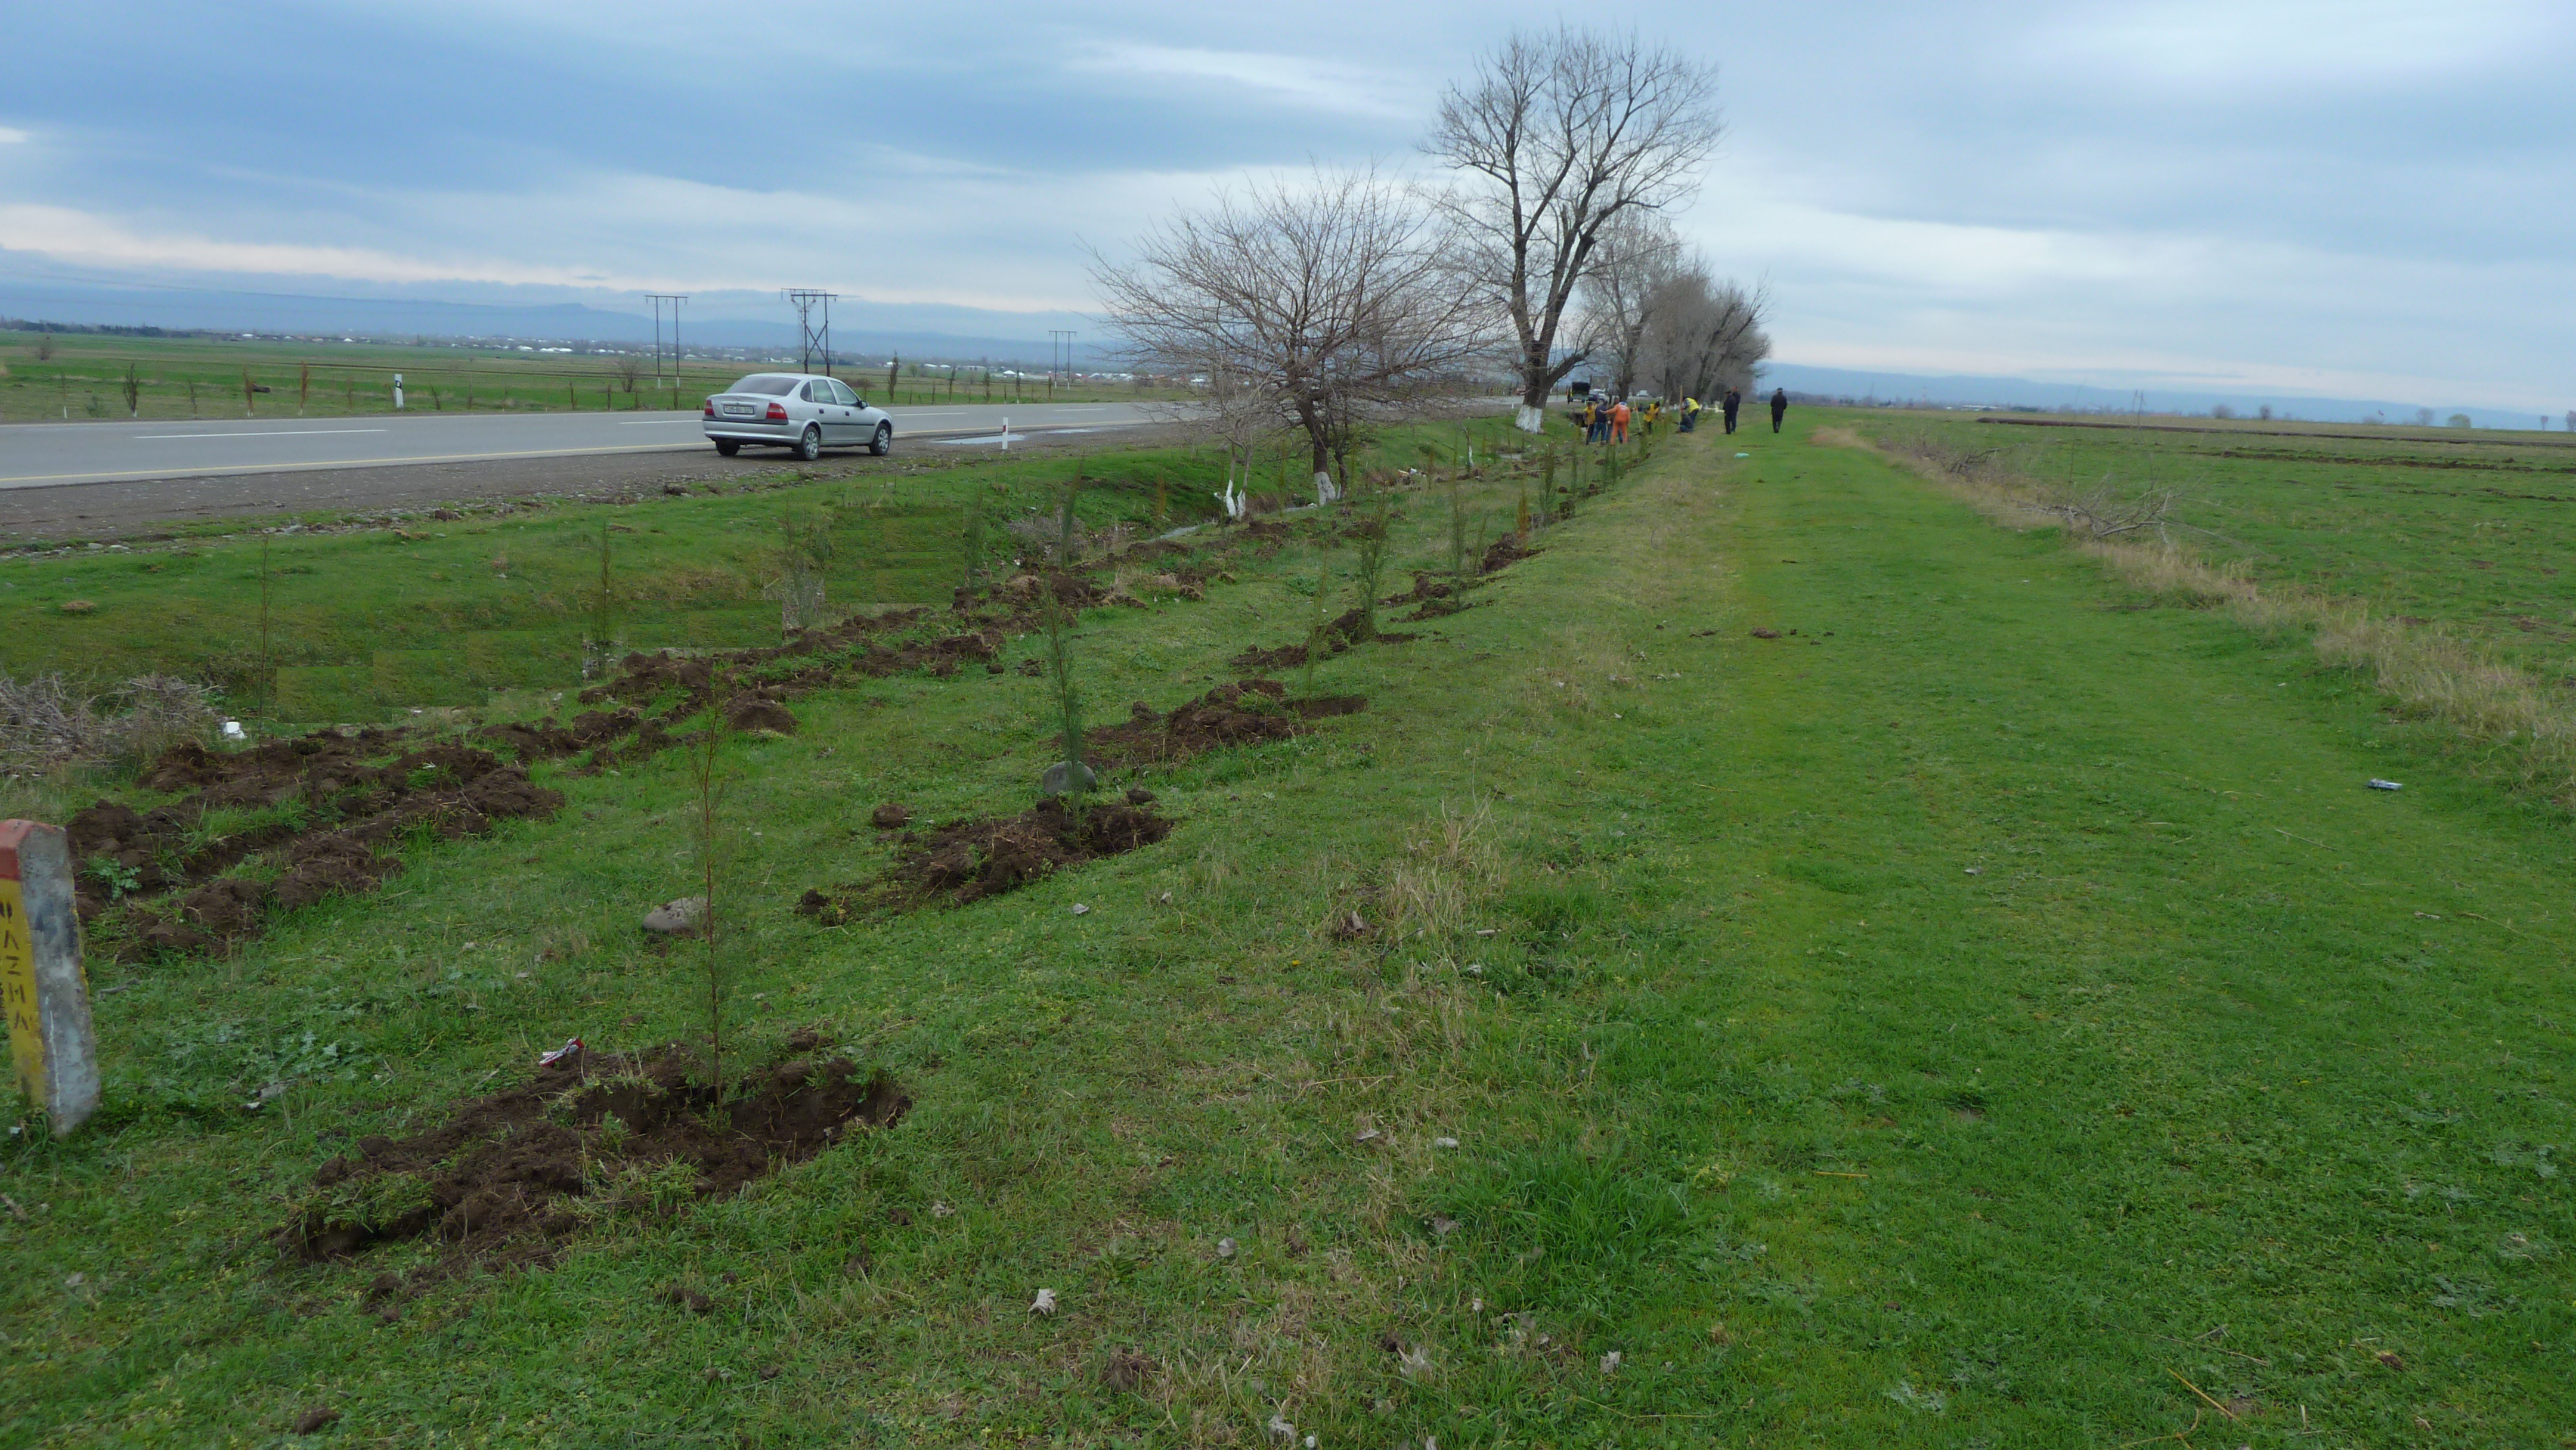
(1508, 550)
(1339, 635)
(970, 860)
(350, 809)
(1244, 713)
(497, 1184)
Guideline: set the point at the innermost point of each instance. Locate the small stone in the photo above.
(77, 606)
(677, 918)
(890, 817)
(1443, 1225)
(1044, 1303)
(1054, 781)
(1224, 1249)
(315, 1419)
(1137, 795)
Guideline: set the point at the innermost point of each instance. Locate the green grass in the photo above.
(1755, 1083)
(366, 622)
(2467, 531)
(202, 377)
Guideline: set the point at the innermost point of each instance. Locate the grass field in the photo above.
(84, 379)
(1989, 1010)
(441, 610)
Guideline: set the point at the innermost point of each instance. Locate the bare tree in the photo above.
(1702, 336)
(628, 369)
(1320, 304)
(1633, 266)
(1558, 137)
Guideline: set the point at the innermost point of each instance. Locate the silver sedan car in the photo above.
(803, 412)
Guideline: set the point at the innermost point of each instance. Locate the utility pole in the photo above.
(674, 299)
(1060, 342)
(813, 339)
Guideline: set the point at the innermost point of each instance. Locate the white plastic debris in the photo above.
(1081, 910)
(1044, 1303)
(1444, 1142)
(940, 1209)
(571, 1048)
(1366, 1135)
(1225, 1248)
(1414, 1362)
(2378, 784)
(1610, 1362)
(1279, 1427)
(1976, 870)
(233, 730)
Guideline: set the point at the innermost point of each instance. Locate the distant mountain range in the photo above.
(2006, 393)
(926, 331)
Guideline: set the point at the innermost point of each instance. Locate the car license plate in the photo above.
(739, 410)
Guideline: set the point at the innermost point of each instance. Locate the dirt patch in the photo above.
(339, 806)
(1340, 635)
(1246, 712)
(968, 861)
(1506, 551)
(509, 1176)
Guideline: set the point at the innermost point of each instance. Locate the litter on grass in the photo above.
(2378, 784)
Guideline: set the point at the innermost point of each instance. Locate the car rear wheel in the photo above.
(810, 447)
(883, 443)
(728, 446)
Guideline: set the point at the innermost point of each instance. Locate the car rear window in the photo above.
(775, 385)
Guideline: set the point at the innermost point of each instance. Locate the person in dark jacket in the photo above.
(1732, 401)
(1779, 407)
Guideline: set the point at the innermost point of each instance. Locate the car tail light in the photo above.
(711, 407)
(778, 412)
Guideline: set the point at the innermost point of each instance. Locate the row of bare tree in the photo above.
(1318, 306)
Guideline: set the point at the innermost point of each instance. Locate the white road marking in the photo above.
(658, 423)
(270, 433)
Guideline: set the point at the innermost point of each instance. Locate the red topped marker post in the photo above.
(43, 989)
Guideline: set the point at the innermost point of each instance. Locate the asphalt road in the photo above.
(42, 455)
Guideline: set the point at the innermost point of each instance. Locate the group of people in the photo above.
(1606, 419)
(1730, 405)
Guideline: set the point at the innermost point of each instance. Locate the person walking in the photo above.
(1619, 416)
(1732, 401)
(1779, 407)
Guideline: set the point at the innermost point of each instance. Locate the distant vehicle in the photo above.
(804, 413)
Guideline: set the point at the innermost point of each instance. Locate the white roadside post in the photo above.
(42, 986)
(1006, 433)
(398, 392)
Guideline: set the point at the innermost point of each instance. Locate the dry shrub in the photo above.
(1447, 862)
(47, 722)
(2431, 675)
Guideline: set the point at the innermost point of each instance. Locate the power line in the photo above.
(805, 300)
(675, 299)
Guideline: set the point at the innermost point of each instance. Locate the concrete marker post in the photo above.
(43, 989)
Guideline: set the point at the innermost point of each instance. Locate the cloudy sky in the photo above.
(2355, 198)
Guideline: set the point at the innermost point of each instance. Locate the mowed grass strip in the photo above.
(1753, 1083)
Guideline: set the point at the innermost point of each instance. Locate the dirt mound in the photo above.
(754, 713)
(336, 811)
(1244, 713)
(496, 1185)
(1508, 550)
(1339, 635)
(970, 860)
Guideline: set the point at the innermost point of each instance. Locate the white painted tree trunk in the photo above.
(1325, 492)
(1531, 420)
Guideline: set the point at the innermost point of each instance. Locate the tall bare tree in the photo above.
(1322, 303)
(1631, 274)
(1558, 137)
(1703, 336)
